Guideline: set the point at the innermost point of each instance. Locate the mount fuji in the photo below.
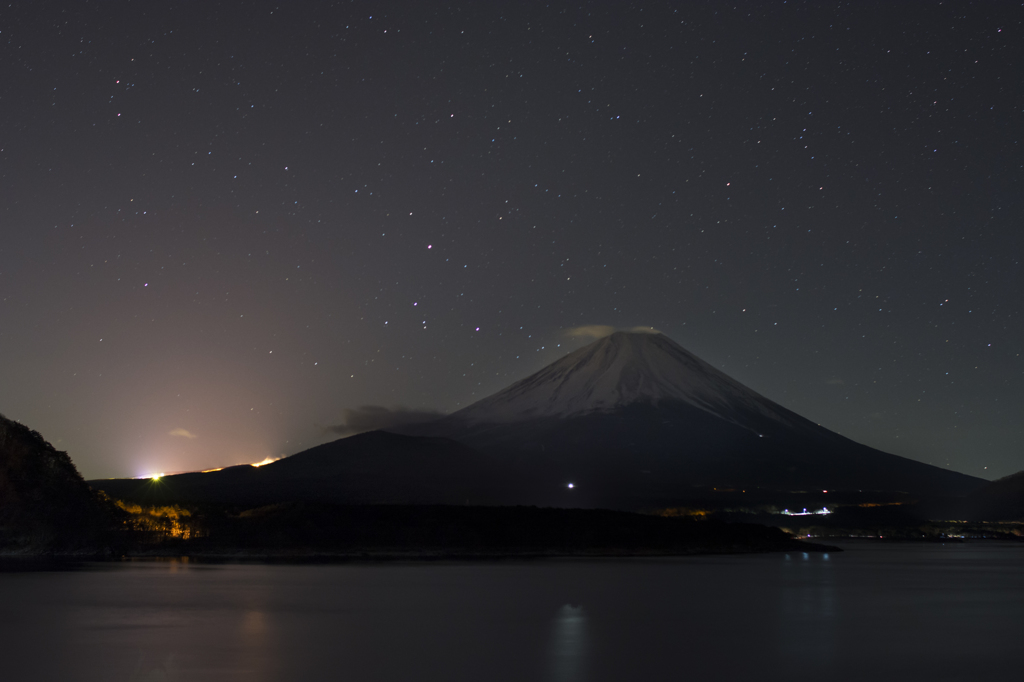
(635, 420)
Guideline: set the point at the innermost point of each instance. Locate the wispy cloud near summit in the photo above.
(599, 331)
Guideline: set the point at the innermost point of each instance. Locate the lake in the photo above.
(874, 612)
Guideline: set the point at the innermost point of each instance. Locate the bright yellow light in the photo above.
(156, 477)
(266, 460)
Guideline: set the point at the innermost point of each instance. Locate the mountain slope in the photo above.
(369, 468)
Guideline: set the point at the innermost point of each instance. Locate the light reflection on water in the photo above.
(569, 645)
(874, 612)
(807, 607)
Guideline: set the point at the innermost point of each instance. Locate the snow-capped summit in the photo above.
(617, 371)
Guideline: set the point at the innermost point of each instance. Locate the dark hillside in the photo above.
(1001, 500)
(45, 506)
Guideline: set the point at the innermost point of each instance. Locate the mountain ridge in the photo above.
(631, 422)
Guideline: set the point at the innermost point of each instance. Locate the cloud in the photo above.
(375, 417)
(599, 331)
(594, 331)
(182, 433)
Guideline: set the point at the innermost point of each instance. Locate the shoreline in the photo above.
(396, 555)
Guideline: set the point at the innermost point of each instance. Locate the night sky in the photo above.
(227, 227)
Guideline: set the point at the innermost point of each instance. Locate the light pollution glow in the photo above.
(158, 476)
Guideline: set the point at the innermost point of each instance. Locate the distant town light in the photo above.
(817, 512)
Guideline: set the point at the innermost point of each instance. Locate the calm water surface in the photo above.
(874, 612)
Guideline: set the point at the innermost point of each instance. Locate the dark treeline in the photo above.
(319, 529)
